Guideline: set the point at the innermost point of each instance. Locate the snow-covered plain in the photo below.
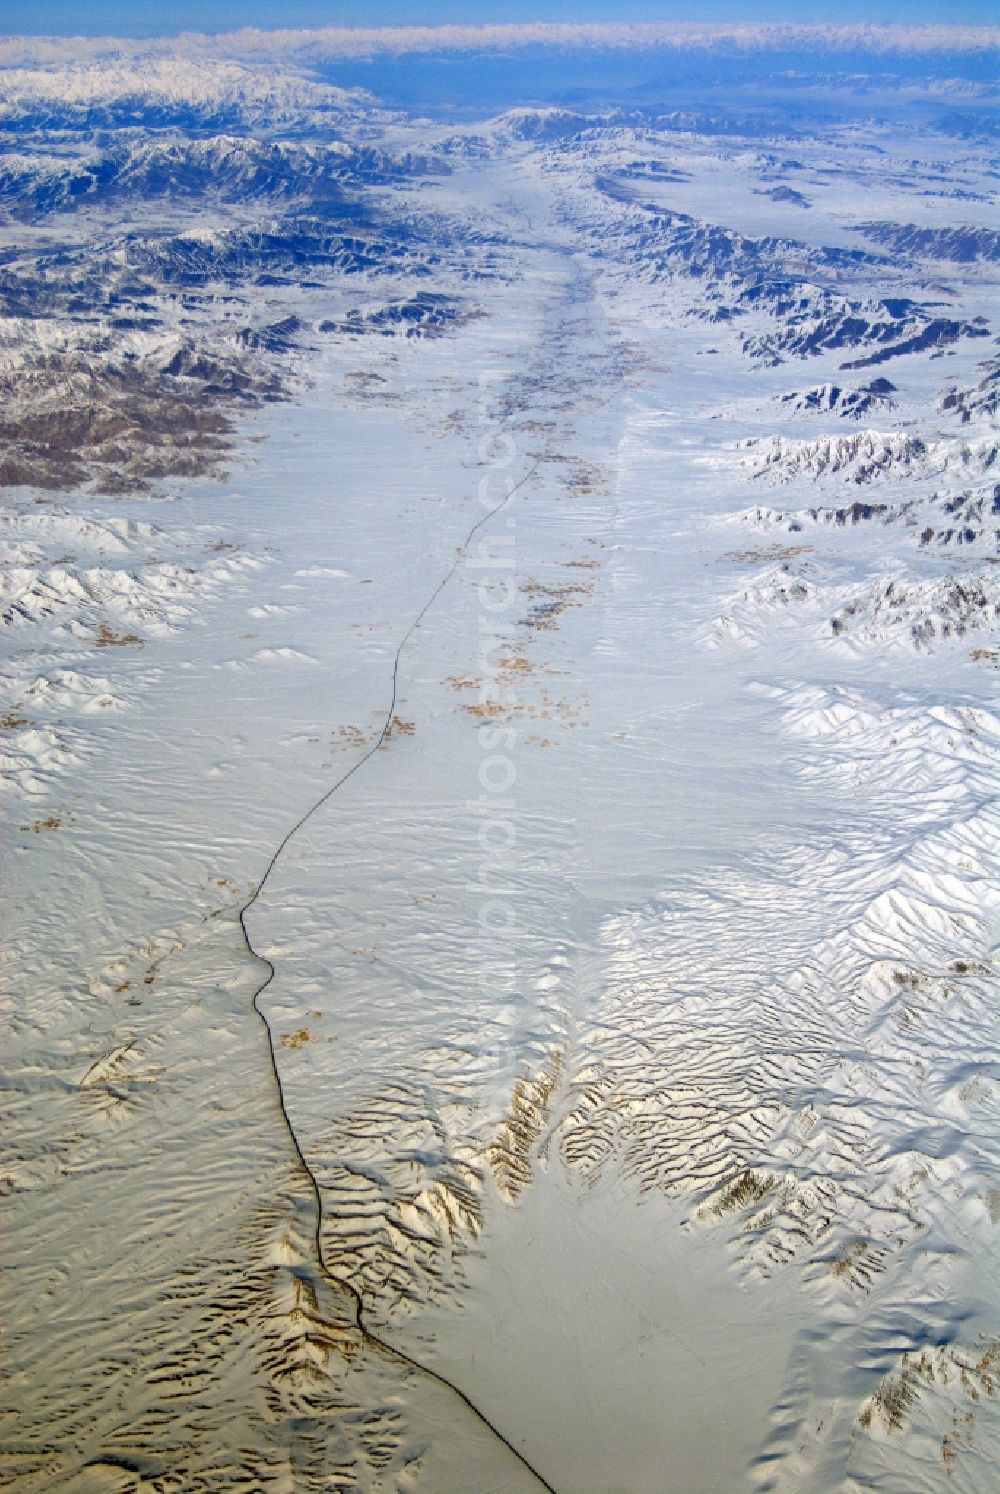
(634, 991)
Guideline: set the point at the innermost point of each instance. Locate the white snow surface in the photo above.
(633, 1003)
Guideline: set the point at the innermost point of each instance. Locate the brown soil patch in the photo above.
(50, 822)
(296, 1039)
(108, 638)
(758, 553)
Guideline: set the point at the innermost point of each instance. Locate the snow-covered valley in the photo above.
(499, 765)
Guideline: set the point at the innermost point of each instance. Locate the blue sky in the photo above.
(163, 17)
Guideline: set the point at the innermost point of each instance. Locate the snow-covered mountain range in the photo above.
(639, 436)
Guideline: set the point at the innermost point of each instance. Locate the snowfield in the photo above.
(499, 756)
